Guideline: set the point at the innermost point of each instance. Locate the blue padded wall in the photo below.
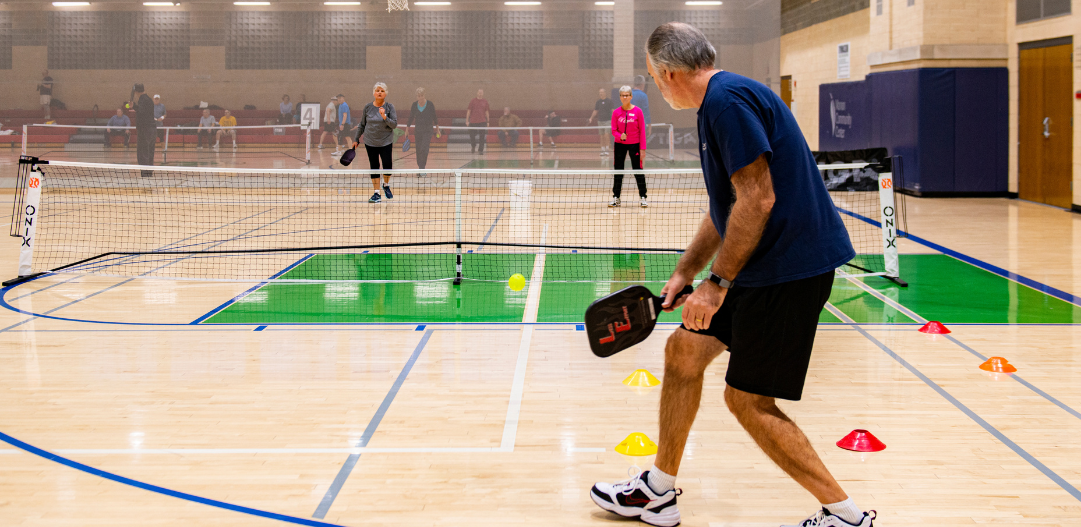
(949, 124)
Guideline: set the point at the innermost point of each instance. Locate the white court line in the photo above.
(885, 299)
(532, 304)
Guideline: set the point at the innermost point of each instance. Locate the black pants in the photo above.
(110, 134)
(635, 151)
(424, 142)
(504, 135)
(478, 137)
(375, 153)
(145, 145)
(208, 134)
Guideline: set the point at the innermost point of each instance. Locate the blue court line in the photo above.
(347, 468)
(260, 328)
(254, 288)
(490, 229)
(972, 415)
(1023, 280)
(156, 489)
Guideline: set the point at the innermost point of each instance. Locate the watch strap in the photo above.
(715, 278)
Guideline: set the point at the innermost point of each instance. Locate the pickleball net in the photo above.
(198, 223)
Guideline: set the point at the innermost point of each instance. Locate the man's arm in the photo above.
(754, 203)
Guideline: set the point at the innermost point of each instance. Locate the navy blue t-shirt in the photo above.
(741, 119)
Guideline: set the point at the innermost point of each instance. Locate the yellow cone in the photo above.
(641, 378)
(637, 444)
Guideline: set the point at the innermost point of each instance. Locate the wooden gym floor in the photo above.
(116, 410)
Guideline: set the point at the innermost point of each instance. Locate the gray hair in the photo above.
(625, 89)
(676, 46)
(639, 80)
(380, 84)
(420, 91)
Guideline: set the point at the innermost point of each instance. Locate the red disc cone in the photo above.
(861, 441)
(998, 365)
(934, 327)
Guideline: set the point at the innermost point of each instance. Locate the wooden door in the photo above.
(786, 90)
(1045, 125)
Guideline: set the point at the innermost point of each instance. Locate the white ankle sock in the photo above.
(660, 482)
(846, 509)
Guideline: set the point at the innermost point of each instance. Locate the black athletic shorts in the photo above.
(770, 332)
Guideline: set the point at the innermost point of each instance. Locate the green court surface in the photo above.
(942, 288)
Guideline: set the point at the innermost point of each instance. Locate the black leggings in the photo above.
(377, 152)
(423, 141)
(636, 163)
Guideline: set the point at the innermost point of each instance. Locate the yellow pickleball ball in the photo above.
(516, 282)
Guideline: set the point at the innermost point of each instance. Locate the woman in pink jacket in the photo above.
(629, 133)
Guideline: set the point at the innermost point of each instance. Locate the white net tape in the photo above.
(397, 5)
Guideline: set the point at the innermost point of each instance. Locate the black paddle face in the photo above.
(347, 157)
(623, 319)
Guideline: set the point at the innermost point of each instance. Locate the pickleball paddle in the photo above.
(623, 319)
(348, 156)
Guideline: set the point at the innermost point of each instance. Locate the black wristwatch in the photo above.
(716, 278)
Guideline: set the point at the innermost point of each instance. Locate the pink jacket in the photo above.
(632, 123)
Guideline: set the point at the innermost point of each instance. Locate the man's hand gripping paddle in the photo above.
(623, 319)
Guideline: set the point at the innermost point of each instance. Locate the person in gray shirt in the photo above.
(159, 116)
(377, 124)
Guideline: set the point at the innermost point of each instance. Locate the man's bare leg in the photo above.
(686, 357)
(779, 437)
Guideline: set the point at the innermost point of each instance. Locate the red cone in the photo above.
(861, 441)
(934, 328)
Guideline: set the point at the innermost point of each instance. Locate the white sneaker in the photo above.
(614, 202)
(643, 203)
(215, 147)
(634, 499)
(823, 518)
(320, 147)
(234, 147)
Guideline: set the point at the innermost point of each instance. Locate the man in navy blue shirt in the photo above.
(777, 239)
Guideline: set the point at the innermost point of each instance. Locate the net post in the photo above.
(28, 218)
(671, 142)
(308, 147)
(530, 145)
(458, 227)
(165, 150)
(888, 212)
(25, 130)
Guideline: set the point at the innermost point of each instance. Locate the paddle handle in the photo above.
(687, 289)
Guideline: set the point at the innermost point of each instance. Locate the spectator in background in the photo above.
(206, 128)
(227, 125)
(641, 100)
(423, 114)
(629, 133)
(345, 124)
(476, 116)
(554, 122)
(330, 122)
(159, 117)
(286, 109)
(602, 111)
(118, 125)
(144, 127)
(45, 93)
(509, 120)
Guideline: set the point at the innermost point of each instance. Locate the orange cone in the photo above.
(934, 327)
(998, 365)
(861, 441)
